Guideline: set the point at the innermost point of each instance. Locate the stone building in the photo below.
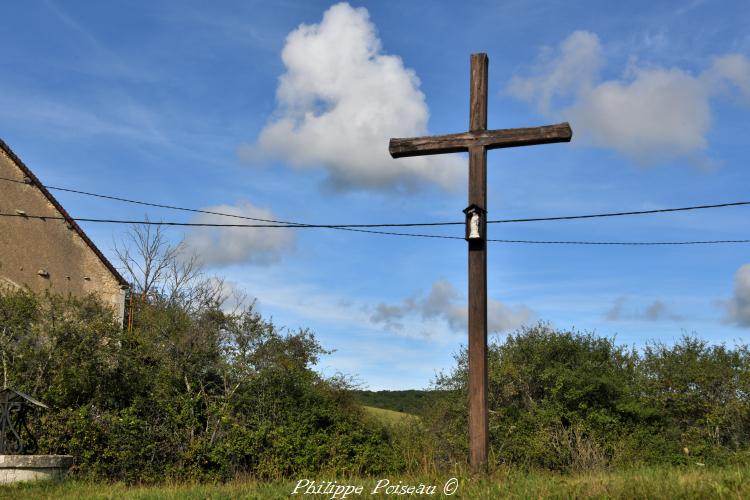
(48, 254)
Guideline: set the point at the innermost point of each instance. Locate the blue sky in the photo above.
(284, 110)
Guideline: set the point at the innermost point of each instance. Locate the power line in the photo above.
(618, 214)
(277, 223)
(625, 243)
(420, 224)
(535, 242)
(223, 214)
(157, 205)
(271, 223)
(188, 224)
(209, 224)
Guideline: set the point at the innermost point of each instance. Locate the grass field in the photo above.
(666, 483)
(389, 416)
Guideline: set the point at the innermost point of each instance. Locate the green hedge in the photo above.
(185, 394)
(567, 400)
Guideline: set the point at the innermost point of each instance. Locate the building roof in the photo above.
(33, 180)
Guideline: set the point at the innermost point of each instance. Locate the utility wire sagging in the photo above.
(270, 223)
(304, 226)
(405, 224)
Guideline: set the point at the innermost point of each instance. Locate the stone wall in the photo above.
(47, 254)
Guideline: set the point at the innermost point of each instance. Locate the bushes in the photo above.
(193, 392)
(187, 394)
(567, 400)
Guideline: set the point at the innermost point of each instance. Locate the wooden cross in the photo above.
(477, 141)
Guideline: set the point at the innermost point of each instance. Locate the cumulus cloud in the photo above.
(445, 302)
(339, 102)
(738, 311)
(650, 114)
(220, 246)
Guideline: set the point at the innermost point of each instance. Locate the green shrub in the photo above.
(188, 393)
(196, 393)
(566, 400)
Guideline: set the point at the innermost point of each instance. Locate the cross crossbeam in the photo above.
(477, 141)
(488, 139)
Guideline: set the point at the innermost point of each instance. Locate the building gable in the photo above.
(53, 254)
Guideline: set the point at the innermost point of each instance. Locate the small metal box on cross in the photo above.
(477, 141)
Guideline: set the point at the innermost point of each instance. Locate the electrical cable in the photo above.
(618, 214)
(537, 242)
(420, 224)
(625, 243)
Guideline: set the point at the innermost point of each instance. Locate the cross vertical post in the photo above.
(478, 419)
(476, 142)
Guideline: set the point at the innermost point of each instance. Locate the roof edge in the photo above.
(38, 184)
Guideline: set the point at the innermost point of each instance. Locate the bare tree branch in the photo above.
(160, 270)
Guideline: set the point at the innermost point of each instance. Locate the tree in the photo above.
(573, 400)
(162, 271)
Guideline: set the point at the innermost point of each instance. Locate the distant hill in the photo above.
(411, 401)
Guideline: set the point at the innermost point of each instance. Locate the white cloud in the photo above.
(739, 306)
(340, 101)
(650, 114)
(731, 71)
(571, 70)
(444, 302)
(220, 246)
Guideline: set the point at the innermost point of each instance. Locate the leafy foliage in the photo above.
(193, 392)
(408, 401)
(566, 400)
(188, 393)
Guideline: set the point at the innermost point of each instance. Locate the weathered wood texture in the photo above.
(477, 141)
(489, 139)
(478, 419)
(478, 92)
